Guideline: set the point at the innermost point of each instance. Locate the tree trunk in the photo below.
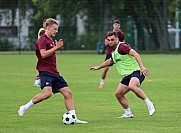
(106, 18)
(164, 28)
(159, 21)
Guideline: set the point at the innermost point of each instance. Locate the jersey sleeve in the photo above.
(124, 49)
(42, 32)
(41, 43)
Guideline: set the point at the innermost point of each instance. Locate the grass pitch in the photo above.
(98, 106)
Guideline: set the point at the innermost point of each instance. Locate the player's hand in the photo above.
(144, 71)
(59, 44)
(94, 68)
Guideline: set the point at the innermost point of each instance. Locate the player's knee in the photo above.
(68, 95)
(132, 87)
(118, 95)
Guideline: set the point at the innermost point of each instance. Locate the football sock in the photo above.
(148, 102)
(102, 81)
(37, 81)
(73, 112)
(127, 111)
(29, 104)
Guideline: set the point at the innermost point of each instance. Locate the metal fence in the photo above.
(18, 30)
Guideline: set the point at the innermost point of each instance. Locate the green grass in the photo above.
(98, 106)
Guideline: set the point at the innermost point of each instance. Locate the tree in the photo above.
(68, 9)
(156, 17)
(152, 16)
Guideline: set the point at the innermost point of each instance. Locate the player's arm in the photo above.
(143, 70)
(105, 64)
(47, 53)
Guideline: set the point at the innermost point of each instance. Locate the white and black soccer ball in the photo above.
(68, 118)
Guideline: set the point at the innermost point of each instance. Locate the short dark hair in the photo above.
(112, 33)
(116, 21)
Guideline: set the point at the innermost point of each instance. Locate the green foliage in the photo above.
(7, 4)
(84, 41)
(116, 8)
(68, 27)
(150, 17)
(49, 8)
(45, 8)
(172, 5)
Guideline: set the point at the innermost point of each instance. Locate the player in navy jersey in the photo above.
(51, 81)
(109, 50)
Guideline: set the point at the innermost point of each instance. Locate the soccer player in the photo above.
(41, 31)
(129, 65)
(109, 50)
(51, 81)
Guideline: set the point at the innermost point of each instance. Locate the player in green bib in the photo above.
(129, 64)
(125, 63)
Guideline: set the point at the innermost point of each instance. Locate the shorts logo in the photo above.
(47, 83)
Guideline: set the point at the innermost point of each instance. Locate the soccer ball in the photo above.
(68, 118)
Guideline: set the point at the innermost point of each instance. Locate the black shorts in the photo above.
(55, 81)
(108, 56)
(136, 74)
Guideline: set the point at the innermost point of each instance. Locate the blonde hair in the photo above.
(51, 21)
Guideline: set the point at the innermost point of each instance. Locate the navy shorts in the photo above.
(108, 56)
(55, 81)
(136, 74)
